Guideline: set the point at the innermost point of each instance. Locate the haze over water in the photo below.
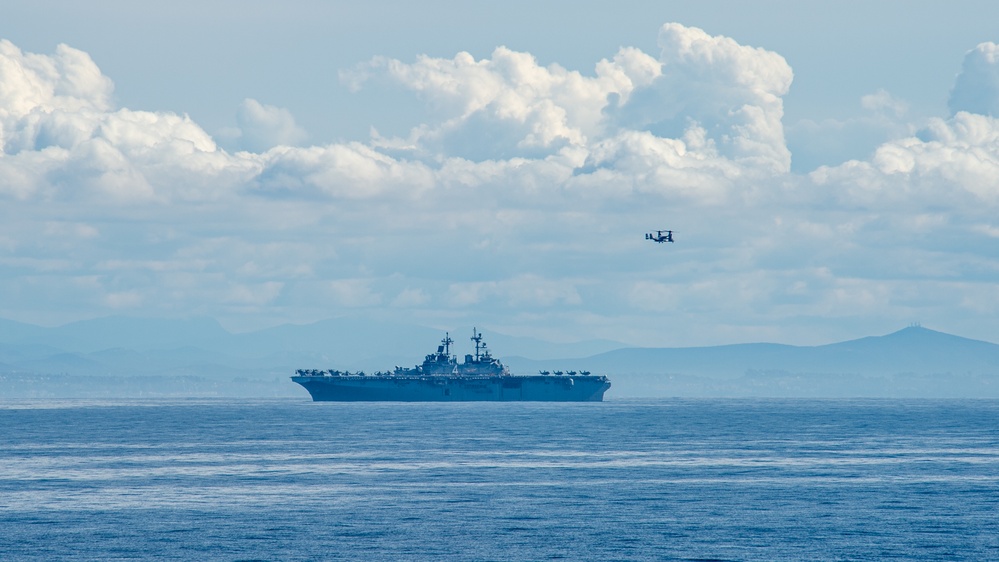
(619, 480)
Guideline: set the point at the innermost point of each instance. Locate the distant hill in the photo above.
(913, 350)
(110, 352)
(913, 362)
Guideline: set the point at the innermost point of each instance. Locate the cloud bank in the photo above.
(522, 204)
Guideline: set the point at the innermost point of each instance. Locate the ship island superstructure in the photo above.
(441, 378)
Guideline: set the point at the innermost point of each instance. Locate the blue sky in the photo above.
(831, 170)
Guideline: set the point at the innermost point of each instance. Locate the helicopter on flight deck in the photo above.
(660, 237)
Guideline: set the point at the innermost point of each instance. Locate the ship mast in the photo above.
(447, 341)
(477, 338)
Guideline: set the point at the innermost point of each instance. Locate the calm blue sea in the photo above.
(619, 480)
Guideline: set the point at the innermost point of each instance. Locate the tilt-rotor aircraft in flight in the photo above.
(659, 236)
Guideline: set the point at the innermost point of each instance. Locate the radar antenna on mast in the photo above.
(481, 350)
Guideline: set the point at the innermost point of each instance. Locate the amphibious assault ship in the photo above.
(481, 377)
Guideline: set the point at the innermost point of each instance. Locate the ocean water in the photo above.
(620, 480)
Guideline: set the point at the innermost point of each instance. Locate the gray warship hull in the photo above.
(441, 378)
(511, 388)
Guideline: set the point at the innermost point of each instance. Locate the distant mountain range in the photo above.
(201, 346)
(120, 356)
(913, 350)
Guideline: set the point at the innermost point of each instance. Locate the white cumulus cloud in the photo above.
(730, 91)
(66, 81)
(976, 89)
(62, 137)
(952, 163)
(509, 105)
(693, 121)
